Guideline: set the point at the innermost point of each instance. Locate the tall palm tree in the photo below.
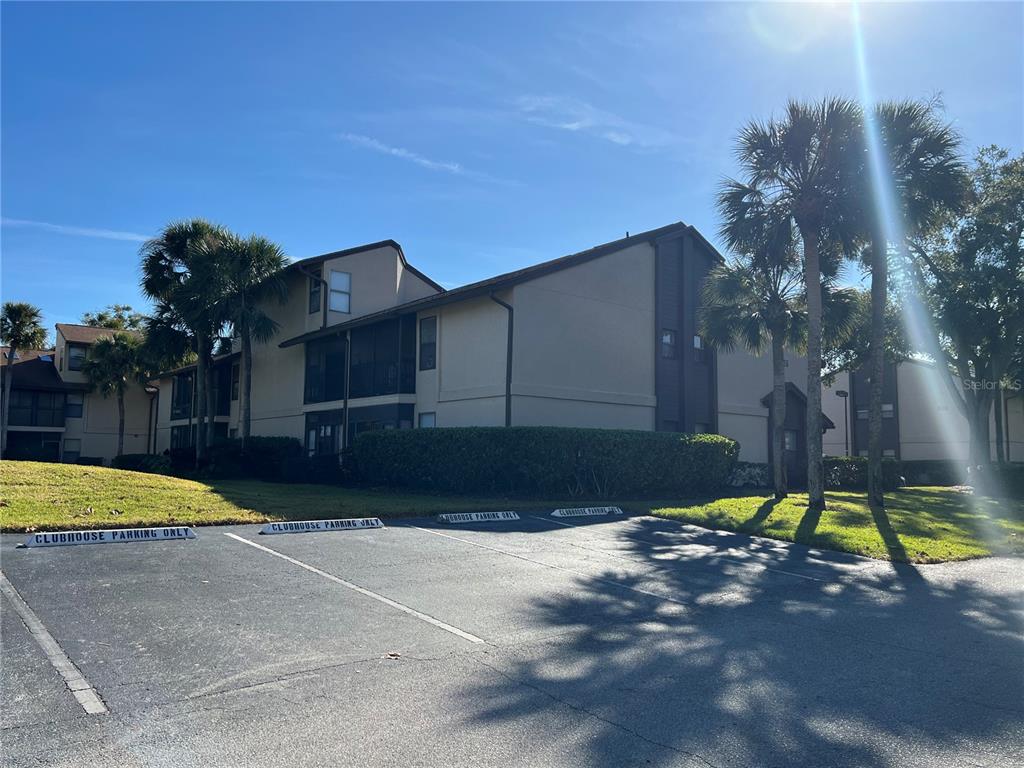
(21, 327)
(799, 169)
(757, 301)
(253, 271)
(111, 366)
(921, 164)
(180, 271)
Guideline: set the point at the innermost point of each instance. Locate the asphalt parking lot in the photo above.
(604, 642)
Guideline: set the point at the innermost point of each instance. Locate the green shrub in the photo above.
(545, 461)
(154, 463)
(750, 474)
(265, 458)
(850, 473)
(90, 461)
(934, 472)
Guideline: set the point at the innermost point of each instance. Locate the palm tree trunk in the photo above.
(120, 421)
(779, 415)
(879, 296)
(202, 344)
(812, 280)
(246, 405)
(8, 371)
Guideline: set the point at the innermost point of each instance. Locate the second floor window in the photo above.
(341, 292)
(76, 356)
(428, 343)
(73, 405)
(235, 374)
(314, 290)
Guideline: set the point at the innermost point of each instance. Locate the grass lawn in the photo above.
(37, 496)
(919, 525)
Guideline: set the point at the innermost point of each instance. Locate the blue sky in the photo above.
(482, 137)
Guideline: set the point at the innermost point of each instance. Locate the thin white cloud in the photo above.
(455, 169)
(64, 229)
(368, 142)
(574, 115)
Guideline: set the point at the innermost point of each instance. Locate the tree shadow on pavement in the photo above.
(751, 656)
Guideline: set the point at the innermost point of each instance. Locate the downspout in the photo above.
(153, 394)
(508, 360)
(348, 383)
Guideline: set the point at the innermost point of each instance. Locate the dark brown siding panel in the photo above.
(685, 386)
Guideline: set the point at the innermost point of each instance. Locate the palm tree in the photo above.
(180, 271)
(111, 365)
(21, 327)
(252, 269)
(799, 168)
(920, 162)
(757, 302)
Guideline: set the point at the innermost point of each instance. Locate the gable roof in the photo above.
(87, 334)
(313, 261)
(795, 391)
(506, 280)
(34, 369)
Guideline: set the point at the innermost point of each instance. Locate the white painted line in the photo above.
(477, 517)
(80, 688)
(108, 536)
(549, 565)
(586, 512)
(756, 559)
(308, 526)
(363, 591)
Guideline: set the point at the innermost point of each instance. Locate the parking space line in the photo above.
(80, 688)
(756, 559)
(363, 591)
(551, 565)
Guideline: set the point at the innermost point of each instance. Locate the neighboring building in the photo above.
(602, 338)
(53, 415)
(920, 420)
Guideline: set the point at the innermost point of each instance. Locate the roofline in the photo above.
(182, 368)
(500, 282)
(302, 263)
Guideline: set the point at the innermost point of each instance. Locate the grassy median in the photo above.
(37, 496)
(919, 525)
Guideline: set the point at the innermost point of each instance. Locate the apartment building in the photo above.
(606, 337)
(54, 416)
(920, 420)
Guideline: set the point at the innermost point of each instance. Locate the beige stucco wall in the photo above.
(97, 428)
(834, 440)
(743, 379)
(583, 344)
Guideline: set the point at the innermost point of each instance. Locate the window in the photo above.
(323, 433)
(183, 437)
(888, 411)
(862, 414)
(49, 409)
(181, 396)
(236, 371)
(862, 452)
(428, 343)
(76, 356)
(698, 349)
(73, 405)
(72, 450)
(20, 414)
(314, 290)
(668, 343)
(789, 440)
(428, 419)
(701, 428)
(889, 453)
(341, 292)
(325, 370)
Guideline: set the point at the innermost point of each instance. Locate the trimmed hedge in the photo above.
(750, 474)
(556, 461)
(155, 463)
(850, 473)
(934, 472)
(265, 458)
